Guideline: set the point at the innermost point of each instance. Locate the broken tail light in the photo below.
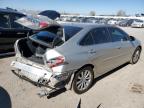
(55, 61)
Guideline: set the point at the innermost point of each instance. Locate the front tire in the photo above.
(136, 56)
(83, 80)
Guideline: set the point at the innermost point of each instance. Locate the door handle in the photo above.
(92, 51)
(20, 33)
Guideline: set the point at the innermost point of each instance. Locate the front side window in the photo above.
(4, 21)
(117, 35)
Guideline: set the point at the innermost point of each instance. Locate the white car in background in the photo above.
(138, 23)
(112, 22)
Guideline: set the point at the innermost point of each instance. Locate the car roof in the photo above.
(10, 11)
(85, 25)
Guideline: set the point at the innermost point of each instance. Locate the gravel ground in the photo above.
(123, 88)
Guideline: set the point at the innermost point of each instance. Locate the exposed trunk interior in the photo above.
(31, 50)
(34, 51)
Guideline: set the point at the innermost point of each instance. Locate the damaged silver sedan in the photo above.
(72, 55)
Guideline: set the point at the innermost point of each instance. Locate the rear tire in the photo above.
(83, 80)
(136, 55)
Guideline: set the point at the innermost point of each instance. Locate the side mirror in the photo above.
(132, 38)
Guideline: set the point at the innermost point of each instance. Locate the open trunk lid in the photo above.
(40, 21)
(50, 35)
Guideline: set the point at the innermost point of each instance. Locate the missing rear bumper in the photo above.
(41, 77)
(46, 90)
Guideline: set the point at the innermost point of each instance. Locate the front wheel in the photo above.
(136, 56)
(83, 80)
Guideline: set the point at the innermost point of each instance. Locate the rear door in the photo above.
(102, 52)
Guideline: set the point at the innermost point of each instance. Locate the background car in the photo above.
(126, 22)
(112, 22)
(10, 31)
(138, 23)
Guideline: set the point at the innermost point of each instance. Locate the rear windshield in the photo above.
(70, 31)
(45, 36)
(48, 38)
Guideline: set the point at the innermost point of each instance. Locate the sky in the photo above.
(101, 7)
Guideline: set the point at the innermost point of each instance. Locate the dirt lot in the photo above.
(123, 88)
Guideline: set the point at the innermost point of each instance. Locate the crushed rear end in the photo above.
(36, 60)
(32, 63)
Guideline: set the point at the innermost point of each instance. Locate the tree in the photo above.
(92, 13)
(121, 13)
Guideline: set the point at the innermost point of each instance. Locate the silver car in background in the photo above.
(72, 55)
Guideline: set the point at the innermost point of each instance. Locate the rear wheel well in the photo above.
(87, 65)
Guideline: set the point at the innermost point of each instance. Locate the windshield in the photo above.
(70, 31)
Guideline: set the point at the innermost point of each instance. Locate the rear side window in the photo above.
(117, 35)
(100, 35)
(96, 36)
(87, 40)
(70, 31)
(4, 20)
